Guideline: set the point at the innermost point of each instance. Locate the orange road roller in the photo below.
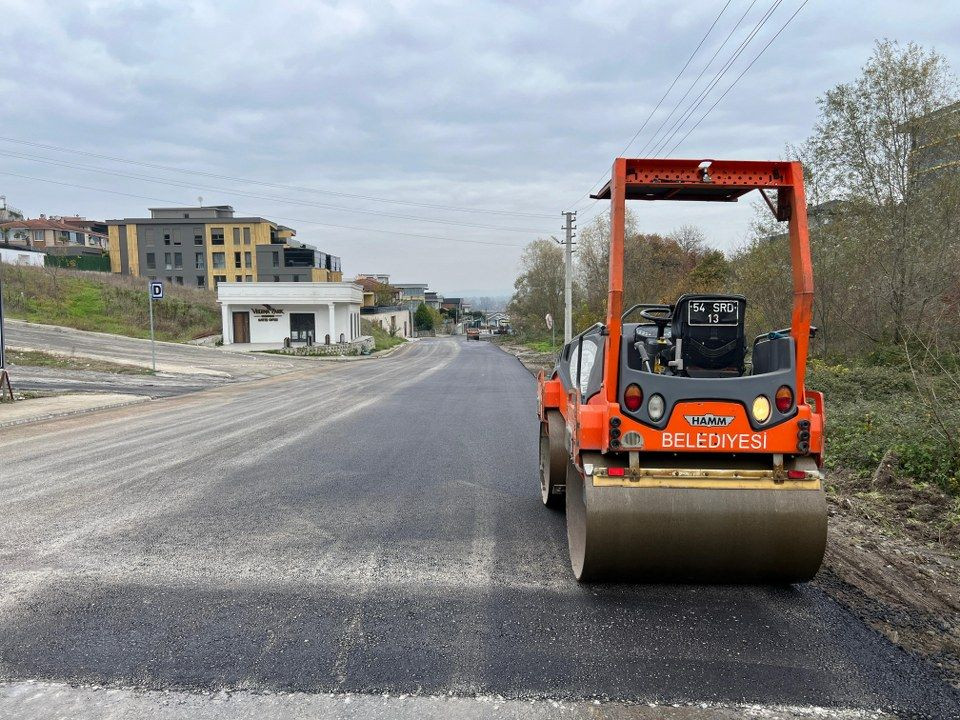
(677, 454)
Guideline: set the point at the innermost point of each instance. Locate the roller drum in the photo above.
(685, 534)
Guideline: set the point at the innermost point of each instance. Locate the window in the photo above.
(219, 260)
(276, 278)
(247, 260)
(179, 279)
(201, 281)
(249, 278)
(198, 236)
(170, 279)
(216, 236)
(236, 236)
(296, 278)
(239, 278)
(201, 261)
(186, 215)
(167, 261)
(151, 261)
(166, 236)
(178, 261)
(276, 258)
(246, 236)
(217, 279)
(238, 260)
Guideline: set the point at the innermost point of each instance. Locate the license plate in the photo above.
(713, 312)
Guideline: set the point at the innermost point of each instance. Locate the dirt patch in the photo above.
(532, 360)
(893, 558)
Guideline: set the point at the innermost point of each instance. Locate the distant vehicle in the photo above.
(473, 333)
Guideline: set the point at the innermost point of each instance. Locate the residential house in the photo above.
(55, 236)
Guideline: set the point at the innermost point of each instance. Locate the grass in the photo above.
(35, 358)
(108, 303)
(875, 411)
(382, 340)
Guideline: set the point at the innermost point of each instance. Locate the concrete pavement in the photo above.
(171, 357)
(376, 528)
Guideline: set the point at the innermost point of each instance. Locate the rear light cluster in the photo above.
(615, 432)
(784, 399)
(633, 397)
(803, 436)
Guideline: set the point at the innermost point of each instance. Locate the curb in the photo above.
(72, 413)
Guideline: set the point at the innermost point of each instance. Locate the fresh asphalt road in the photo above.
(370, 528)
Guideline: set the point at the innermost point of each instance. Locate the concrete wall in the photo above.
(386, 318)
(13, 256)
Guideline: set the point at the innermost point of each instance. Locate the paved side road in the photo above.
(376, 528)
(171, 357)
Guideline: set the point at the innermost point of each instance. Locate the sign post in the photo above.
(553, 333)
(156, 293)
(4, 377)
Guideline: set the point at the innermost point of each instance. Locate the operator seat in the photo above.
(708, 335)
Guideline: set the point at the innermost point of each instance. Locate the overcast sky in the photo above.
(505, 107)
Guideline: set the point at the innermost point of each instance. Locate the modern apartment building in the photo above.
(204, 246)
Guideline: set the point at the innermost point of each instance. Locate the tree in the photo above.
(384, 294)
(891, 233)
(423, 319)
(539, 288)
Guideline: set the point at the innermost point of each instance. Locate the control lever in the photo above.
(644, 355)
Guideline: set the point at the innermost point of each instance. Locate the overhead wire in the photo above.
(662, 98)
(280, 186)
(689, 111)
(743, 72)
(288, 219)
(291, 201)
(697, 79)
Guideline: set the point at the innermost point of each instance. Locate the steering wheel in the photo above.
(656, 315)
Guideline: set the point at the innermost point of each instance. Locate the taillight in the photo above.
(796, 474)
(784, 399)
(633, 397)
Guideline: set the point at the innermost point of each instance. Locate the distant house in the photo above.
(433, 299)
(934, 143)
(8, 212)
(55, 235)
(455, 306)
(381, 306)
(377, 292)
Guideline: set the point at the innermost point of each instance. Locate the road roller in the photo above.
(678, 452)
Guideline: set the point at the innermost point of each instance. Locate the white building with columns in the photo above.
(263, 313)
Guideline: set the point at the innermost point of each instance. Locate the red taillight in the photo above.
(784, 399)
(615, 472)
(796, 474)
(633, 397)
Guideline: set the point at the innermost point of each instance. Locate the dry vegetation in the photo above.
(106, 303)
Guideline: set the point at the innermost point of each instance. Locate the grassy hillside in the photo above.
(106, 303)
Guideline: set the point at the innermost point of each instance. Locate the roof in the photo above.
(20, 248)
(370, 284)
(46, 224)
(194, 207)
(190, 221)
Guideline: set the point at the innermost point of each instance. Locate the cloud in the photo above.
(511, 106)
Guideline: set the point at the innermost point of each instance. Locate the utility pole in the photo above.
(569, 228)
